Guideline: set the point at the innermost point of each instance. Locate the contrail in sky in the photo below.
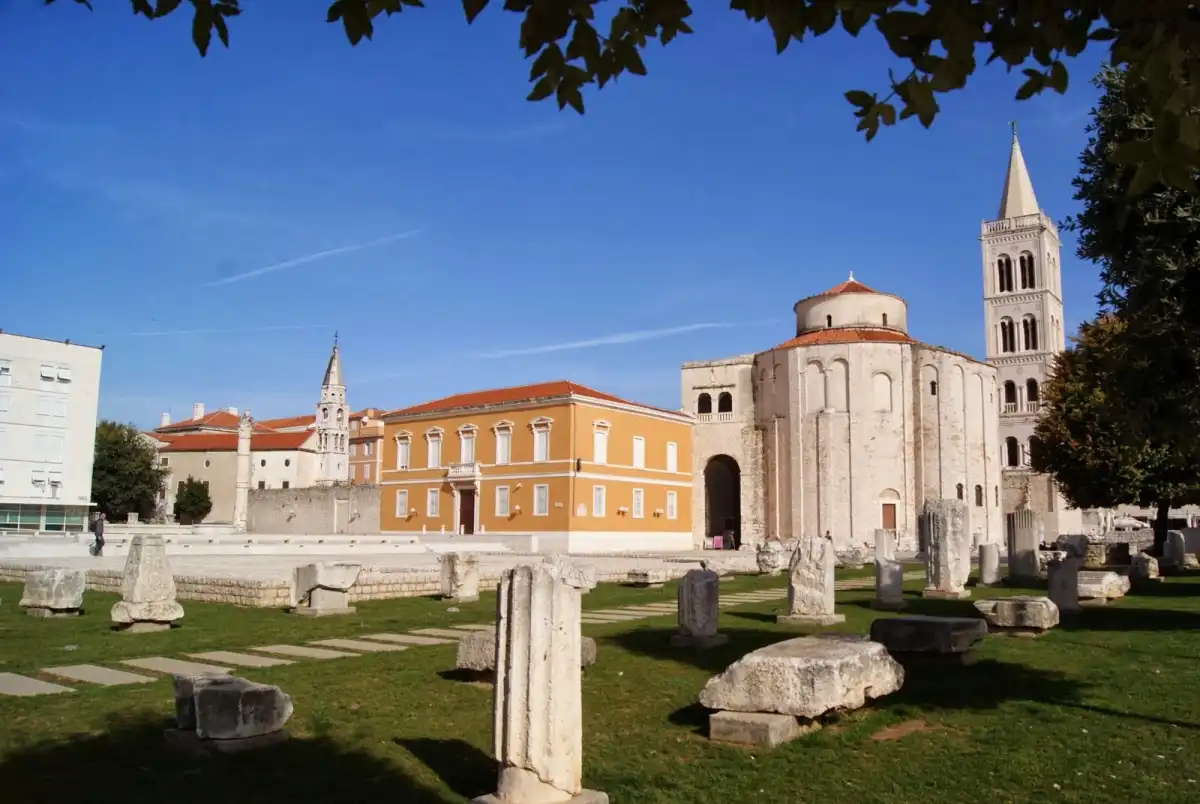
(319, 255)
(634, 336)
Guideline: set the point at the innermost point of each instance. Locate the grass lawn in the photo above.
(1104, 708)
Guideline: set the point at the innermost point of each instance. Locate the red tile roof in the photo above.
(227, 442)
(849, 286)
(516, 394)
(822, 337)
(287, 422)
(222, 419)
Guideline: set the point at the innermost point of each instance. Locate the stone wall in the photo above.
(237, 591)
(317, 509)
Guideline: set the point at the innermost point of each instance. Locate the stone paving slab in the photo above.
(440, 632)
(13, 684)
(409, 639)
(161, 664)
(650, 612)
(359, 645)
(94, 674)
(591, 621)
(301, 652)
(617, 618)
(240, 659)
(475, 627)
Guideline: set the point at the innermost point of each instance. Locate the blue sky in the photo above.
(170, 207)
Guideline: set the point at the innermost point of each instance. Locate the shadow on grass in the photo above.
(985, 685)
(1172, 588)
(921, 606)
(756, 616)
(655, 643)
(1115, 617)
(464, 768)
(130, 762)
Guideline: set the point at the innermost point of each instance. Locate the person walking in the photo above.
(98, 529)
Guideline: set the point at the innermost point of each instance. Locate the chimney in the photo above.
(164, 420)
(232, 410)
(197, 410)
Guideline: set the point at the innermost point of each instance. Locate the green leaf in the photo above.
(164, 7)
(222, 29)
(1145, 178)
(1058, 77)
(569, 95)
(472, 8)
(887, 112)
(202, 24)
(543, 88)
(859, 98)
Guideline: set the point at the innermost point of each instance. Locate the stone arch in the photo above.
(1028, 275)
(1008, 335)
(1012, 452)
(839, 385)
(978, 496)
(881, 387)
(889, 508)
(1032, 392)
(1029, 328)
(725, 402)
(1010, 396)
(1004, 274)
(814, 387)
(723, 497)
(704, 404)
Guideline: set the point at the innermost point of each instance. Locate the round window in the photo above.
(287, 461)
(263, 462)
(207, 464)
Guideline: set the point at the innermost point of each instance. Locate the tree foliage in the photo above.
(126, 477)
(192, 502)
(938, 39)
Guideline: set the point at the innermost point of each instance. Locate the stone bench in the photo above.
(1023, 615)
(776, 693)
(941, 639)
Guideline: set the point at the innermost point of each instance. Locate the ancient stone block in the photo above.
(322, 589)
(477, 652)
(235, 709)
(943, 636)
(646, 579)
(854, 558)
(1143, 568)
(889, 585)
(1023, 545)
(771, 557)
(944, 528)
(989, 564)
(1022, 614)
(811, 584)
(885, 544)
(1062, 576)
(148, 599)
(805, 677)
(1102, 586)
(1075, 544)
(459, 576)
(697, 611)
(538, 710)
(756, 729)
(53, 593)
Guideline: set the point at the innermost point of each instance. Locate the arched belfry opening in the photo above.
(723, 499)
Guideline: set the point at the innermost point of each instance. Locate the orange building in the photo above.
(549, 467)
(366, 446)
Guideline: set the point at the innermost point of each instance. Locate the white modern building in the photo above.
(49, 394)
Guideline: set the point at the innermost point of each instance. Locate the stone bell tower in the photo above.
(333, 424)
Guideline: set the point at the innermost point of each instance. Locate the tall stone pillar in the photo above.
(241, 499)
(944, 529)
(885, 545)
(538, 710)
(811, 585)
(1021, 534)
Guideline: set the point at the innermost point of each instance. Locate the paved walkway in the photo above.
(221, 662)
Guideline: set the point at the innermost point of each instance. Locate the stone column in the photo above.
(944, 529)
(148, 601)
(1021, 527)
(459, 577)
(810, 584)
(538, 711)
(989, 564)
(889, 585)
(241, 499)
(1062, 575)
(885, 545)
(697, 600)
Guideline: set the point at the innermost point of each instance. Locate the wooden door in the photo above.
(889, 516)
(466, 511)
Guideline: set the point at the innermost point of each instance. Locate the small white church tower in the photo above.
(333, 425)
(1023, 315)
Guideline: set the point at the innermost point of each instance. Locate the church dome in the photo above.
(852, 305)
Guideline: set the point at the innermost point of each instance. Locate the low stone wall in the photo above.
(316, 509)
(236, 591)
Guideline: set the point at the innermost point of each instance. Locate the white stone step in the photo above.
(162, 664)
(240, 659)
(409, 639)
(301, 652)
(358, 645)
(94, 674)
(23, 686)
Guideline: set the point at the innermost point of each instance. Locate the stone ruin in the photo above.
(226, 714)
(889, 585)
(477, 654)
(1143, 569)
(54, 593)
(989, 564)
(646, 579)
(148, 601)
(945, 530)
(323, 589)
(537, 707)
(854, 558)
(459, 577)
(697, 597)
(811, 584)
(912, 640)
(1023, 545)
(777, 693)
(1018, 616)
(1062, 581)
(771, 557)
(1099, 587)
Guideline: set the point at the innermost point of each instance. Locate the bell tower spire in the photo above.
(1017, 199)
(333, 423)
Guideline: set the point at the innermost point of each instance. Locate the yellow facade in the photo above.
(553, 484)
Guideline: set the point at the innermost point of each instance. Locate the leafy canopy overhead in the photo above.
(939, 40)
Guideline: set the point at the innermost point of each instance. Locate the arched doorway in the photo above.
(723, 499)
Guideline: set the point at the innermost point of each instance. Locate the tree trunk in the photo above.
(1160, 527)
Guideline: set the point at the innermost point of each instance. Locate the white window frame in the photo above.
(60, 408)
(637, 504)
(541, 426)
(4, 403)
(503, 432)
(403, 451)
(48, 372)
(402, 504)
(466, 444)
(599, 500)
(432, 499)
(545, 487)
(672, 456)
(506, 509)
(600, 431)
(431, 437)
(64, 374)
(672, 505)
(5, 373)
(639, 452)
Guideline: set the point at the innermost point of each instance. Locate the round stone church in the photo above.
(847, 428)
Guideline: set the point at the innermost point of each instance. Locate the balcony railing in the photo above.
(1010, 407)
(714, 417)
(1033, 407)
(462, 471)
